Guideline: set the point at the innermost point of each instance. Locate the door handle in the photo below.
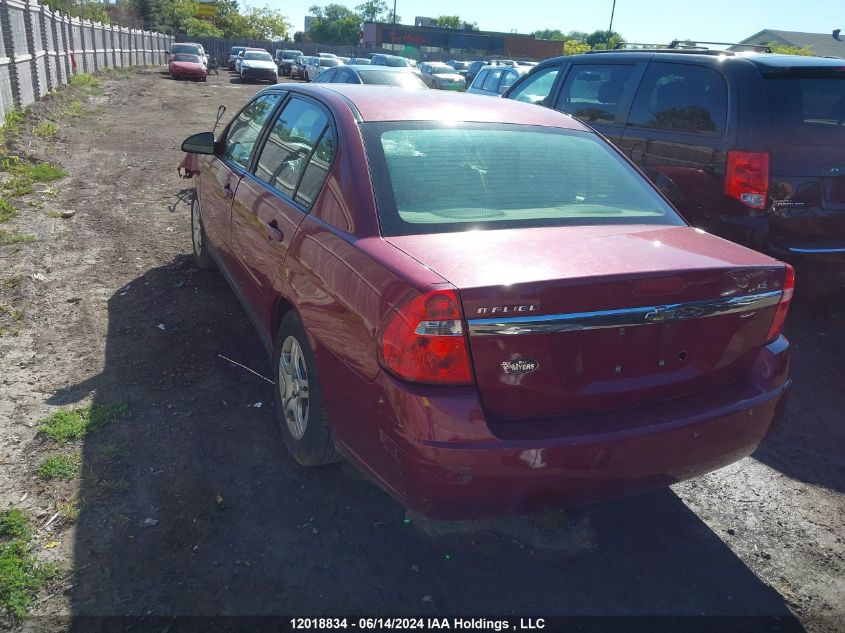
(273, 232)
(227, 191)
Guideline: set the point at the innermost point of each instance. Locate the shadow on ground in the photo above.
(239, 529)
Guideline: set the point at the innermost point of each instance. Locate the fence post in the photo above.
(45, 43)
(11, 53)
(30, 45)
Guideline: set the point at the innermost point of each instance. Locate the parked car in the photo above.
(240, 57)
(316, 65)
(490, 315)
(189, 48)
(747, 145)
(394, 61)
(297, 68)
(258, 65)
(472, 71)
(185, 66)
(285, 59)
(370, 75)
(441, 76)
(327, 55)
(233, 55)
(359, 61)
(461, 67)
(492, 81)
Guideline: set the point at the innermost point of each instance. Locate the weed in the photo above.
(21, 576)
(46, 129)
(111, 453)
(84, 79)
(9, 237)
(14, 524)
(11, 282)
(18, 185)
(53, 214)
(66, 425)
(7, 210)
(59, 467)
(118, 486)
(43, 172)
(74, 108)
(9, 163)
(70, 509)
(18, 313)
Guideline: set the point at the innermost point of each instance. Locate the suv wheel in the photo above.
(299, 401)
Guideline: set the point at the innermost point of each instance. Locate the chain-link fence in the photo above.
(40, 50)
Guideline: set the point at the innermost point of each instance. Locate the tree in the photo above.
(266, 24)
(574, 47)
(604, 40)
(549, 34)
(334, 24)
(792, 50)
(449, 21)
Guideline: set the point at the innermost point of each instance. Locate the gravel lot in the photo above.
(116, 313)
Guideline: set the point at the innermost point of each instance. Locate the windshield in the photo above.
(359, 61)
(460, 65)
(388, 78)
(184, 57)
(327, 62)
(236, 49)
(291, 54)
(264, 57)
(438, 178)
(443, 70)
(808, 106)
(398, 62)
(191, 49)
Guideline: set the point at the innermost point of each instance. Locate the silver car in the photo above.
(494, 80)
(441, 76)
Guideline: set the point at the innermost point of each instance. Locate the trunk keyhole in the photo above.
(682, 355)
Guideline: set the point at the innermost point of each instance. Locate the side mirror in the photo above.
(202, 143)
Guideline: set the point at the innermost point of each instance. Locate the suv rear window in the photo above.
(442, 178)
(681, 97)
(807, 106)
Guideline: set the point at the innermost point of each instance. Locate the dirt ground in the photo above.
(117, 313)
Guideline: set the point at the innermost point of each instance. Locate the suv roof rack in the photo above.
(685, 46)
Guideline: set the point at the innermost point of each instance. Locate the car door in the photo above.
(677, 133)
(221, 173)
(275, 196)
(600, 94)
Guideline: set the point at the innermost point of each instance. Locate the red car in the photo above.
(482, 304)
(185, 66)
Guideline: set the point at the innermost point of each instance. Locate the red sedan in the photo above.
(482, 304)
(185, 66)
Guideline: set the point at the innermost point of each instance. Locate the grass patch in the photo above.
(111, 453)
(53, 214)
(11, 282)
(18, 185)
(21, 576)
(13, 237)
(66, 425)
(7, 210)
(46, 129)
(42, 172)
(84, 79)
(59, 467)
(70, 509)
(14, 524)
(74, 108)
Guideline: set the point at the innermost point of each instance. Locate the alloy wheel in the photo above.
(293, 387)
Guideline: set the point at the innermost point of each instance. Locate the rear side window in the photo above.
(537, 87)
(508, 79)
(807, 105)
(242, 134)
(593, 92)
(289, 146)
(317, 169)
(681, 97)
(491, 82)
(435, 178)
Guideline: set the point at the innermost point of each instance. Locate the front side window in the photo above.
(288, 148)
(435, 178)
(593, 92)
(491, 82)
(244, 130)
(508, 79)
(537, 87)
(681, 97)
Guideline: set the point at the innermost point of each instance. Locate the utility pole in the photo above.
(610, 28)
(393, 37)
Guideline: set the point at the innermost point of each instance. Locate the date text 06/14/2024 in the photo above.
(417, 624)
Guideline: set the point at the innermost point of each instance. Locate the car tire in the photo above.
(305, 426)
(199, 240)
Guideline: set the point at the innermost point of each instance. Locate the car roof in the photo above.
(375, 69)
(386, 103)
(766, 60)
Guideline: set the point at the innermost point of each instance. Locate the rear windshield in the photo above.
(807, 105)
(432, 177)
(328, 62)
(398, 62)
(387, 78)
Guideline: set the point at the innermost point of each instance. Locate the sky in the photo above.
(647, 21)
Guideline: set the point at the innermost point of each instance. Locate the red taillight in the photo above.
(783, 307)
(423, 340)
(747, 178)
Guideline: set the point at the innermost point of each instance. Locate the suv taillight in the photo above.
(423, 340)
(747, 177)
(783, 307)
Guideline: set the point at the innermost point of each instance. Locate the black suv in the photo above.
(750, 146)
(285, 59)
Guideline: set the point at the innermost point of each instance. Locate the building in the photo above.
(430, 39)
(823, 44)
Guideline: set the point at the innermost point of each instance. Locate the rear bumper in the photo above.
(444, 460)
